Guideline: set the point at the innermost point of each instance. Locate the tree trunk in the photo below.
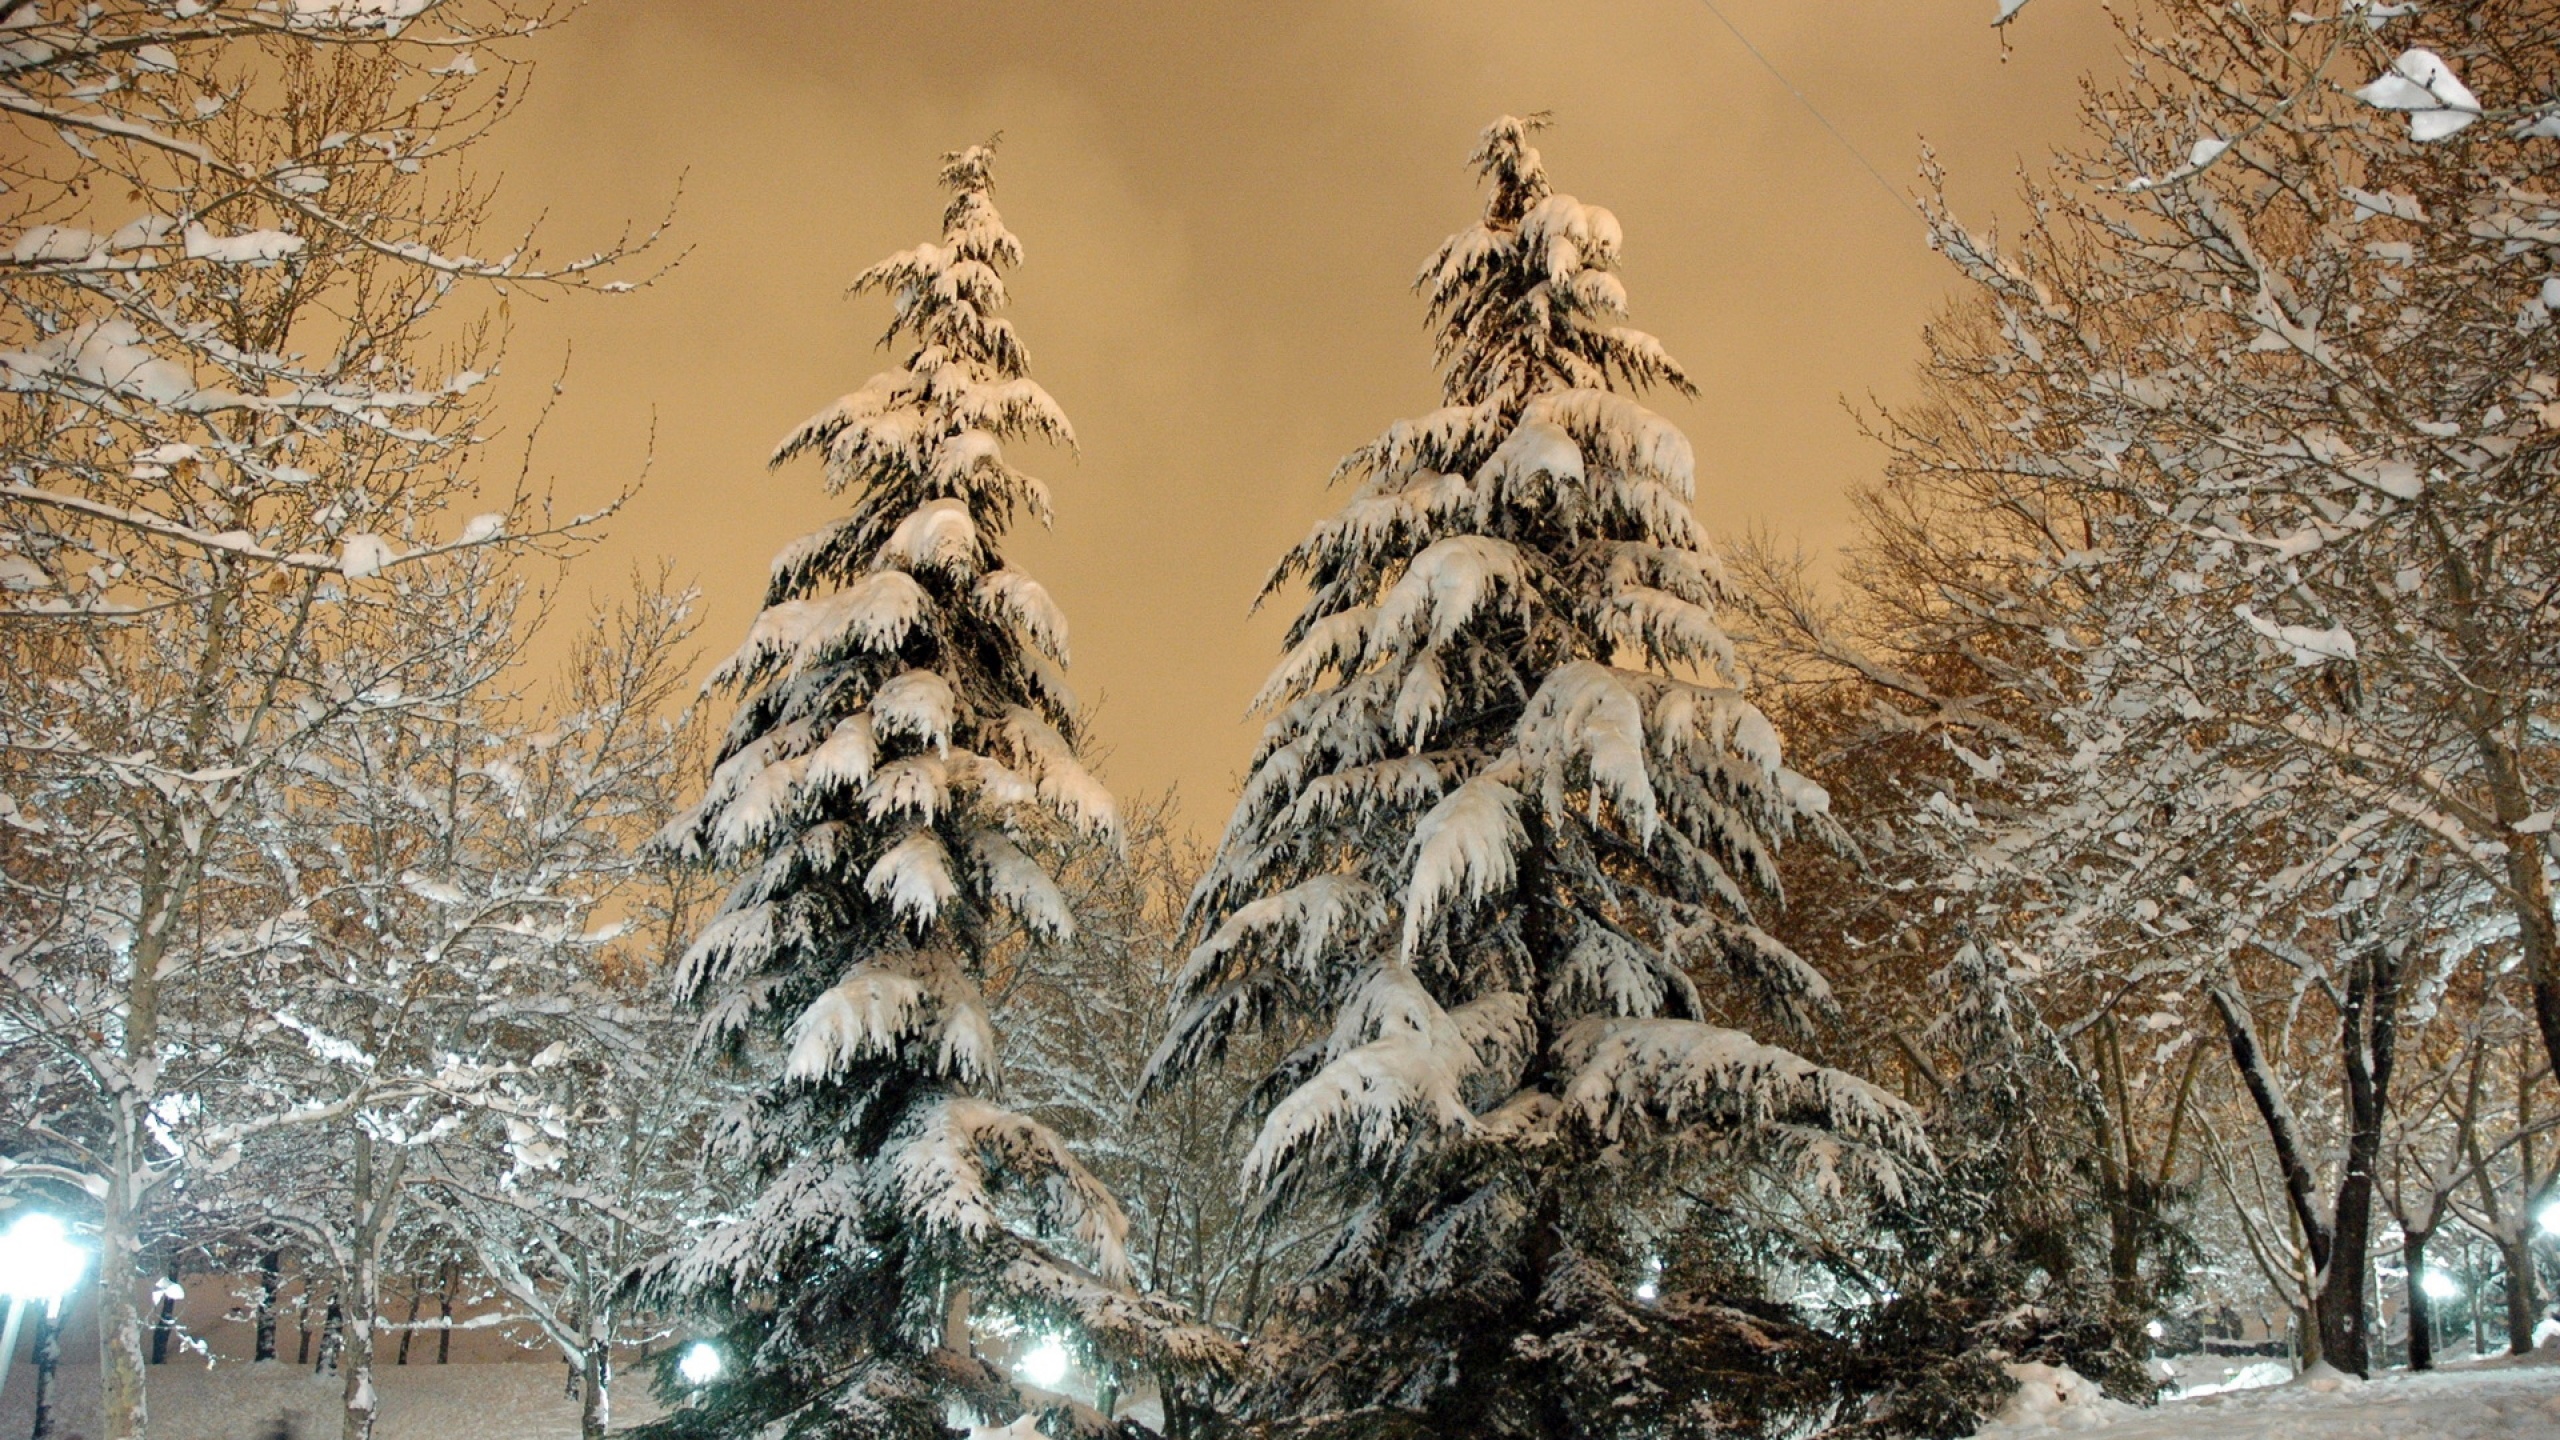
(358, 1365)
(270, 1274)
(2488, 711)
(123, 1410)
(2529, 891)
(1249, 1316)
(2479, 1335)
(595, 1410)
(162, 890)
(166, 1322)
(409, 1326)
(333, 1333)
(377, 1190)
(2367, 1027)
(2249, 1059)
(48, 1362)
(2516, 1250)
(1546, 1244)
(1483, 1365)
(2422, 1324)
(444, 1336)
(595, 1356)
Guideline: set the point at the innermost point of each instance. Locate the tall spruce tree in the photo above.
(1493, 872)
(904, 742)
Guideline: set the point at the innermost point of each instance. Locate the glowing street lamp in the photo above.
(2549, 1219)
(1046, 1365)
(700, 1364)
(2437, 1285)
(38, 1264)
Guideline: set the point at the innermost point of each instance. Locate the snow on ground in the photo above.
(239, 1401)
(2489, 1400)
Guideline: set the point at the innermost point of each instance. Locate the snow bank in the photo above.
(2493, 1400)
(237, 1401)
(2489, 1401)
(2053, 1398)
(2241, 1377)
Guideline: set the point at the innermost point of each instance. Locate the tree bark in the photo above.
(2368, 1026)
(2479, 1336)
(2247, 1057)
(2489, 710)
(123, 1410)
(595, 1354)
(333, 1333)
(270, 1274)
(1546, 1245)
(2284, 1137)
(2422, 1325)
(444, 1336)
(595, 1409)
(409, 1326)
(2515, 1250)
(171, 863)
(48, 1362)
(2537, 937)
(377, 1183)
(2528, 887)
(165, 1323)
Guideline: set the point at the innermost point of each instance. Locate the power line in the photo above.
(1814, 110)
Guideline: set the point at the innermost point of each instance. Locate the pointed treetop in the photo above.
(1504, 155)
(970, 168)
(1525, 299)
(946, 295)
(971, 230)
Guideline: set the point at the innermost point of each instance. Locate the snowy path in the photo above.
(234, 1401)
(2489, 1401)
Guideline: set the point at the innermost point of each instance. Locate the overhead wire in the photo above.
(1814, 110)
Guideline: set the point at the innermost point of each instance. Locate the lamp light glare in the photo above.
(2437, 1285)
(700, 1365)
(1046, 1364)
(2549, 1219)
(38, 1261)
(1649, 1289)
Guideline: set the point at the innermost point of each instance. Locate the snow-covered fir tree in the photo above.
(1493, 872)
(904, 744)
